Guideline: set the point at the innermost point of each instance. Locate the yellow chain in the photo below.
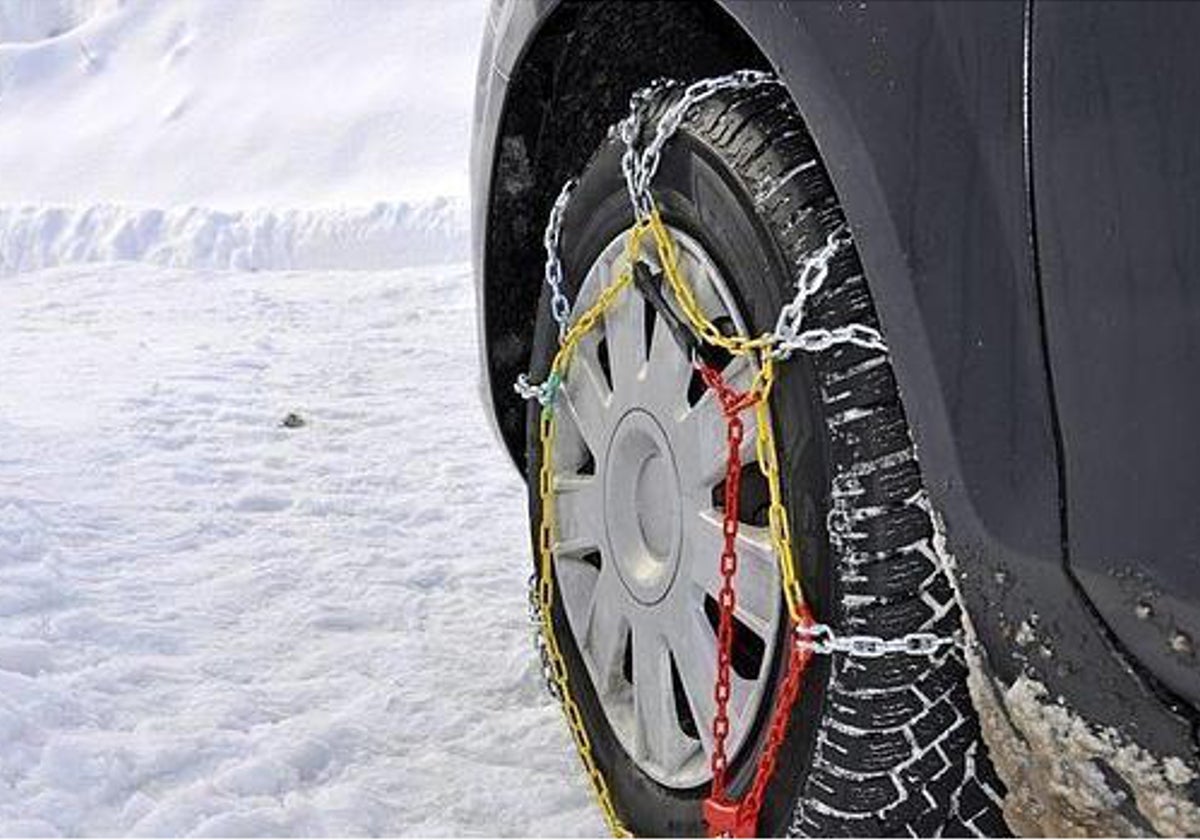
(668, 256)
(768, 463)
(546, 428)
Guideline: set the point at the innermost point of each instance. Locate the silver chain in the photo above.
(560, 305)
(543, 392)
(539, 639)
(640, 167)
(788, 335)
(821, 638)
(630, 130)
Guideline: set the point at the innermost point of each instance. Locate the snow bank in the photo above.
(233, 104)
(383, 236)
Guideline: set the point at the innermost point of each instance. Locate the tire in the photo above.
(877, 747)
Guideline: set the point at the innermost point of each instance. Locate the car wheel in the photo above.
(880, 746)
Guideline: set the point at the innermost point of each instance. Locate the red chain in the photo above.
(797, 663)
(722, 816)
(732, 403)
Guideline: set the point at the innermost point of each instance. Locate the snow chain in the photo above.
(723, 816)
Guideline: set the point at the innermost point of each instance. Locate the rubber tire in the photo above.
(880, 747)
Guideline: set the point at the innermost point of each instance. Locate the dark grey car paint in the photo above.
(920, 114)
(1117, 186)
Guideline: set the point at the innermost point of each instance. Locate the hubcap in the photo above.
(642, 506)
(637, 459)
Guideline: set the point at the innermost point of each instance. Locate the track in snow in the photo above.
(215, 625)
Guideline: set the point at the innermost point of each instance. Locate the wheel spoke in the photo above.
(659, 735)
(625, 330)
(706, 293)
(579, 515)
(606, 627)
(586, 395)
(577, 581)
(702, 435)
(757, 579)
(570, 450)
(668, 374)
(696, 658)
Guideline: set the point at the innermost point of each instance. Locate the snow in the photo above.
(225, 134)
(387, 235)
(233, 104)
(215, 625)
(214, 213)
(1054, 763)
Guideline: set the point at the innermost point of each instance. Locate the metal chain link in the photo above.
(553, 662)
(821, 638)
(539, 640)
(733, 404)
(629, 130)
(640, 166)
(560, 305)
(788, 335)
(544, 392)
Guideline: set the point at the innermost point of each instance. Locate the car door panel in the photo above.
(1116, 161)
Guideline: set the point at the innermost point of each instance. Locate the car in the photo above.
(986, 469)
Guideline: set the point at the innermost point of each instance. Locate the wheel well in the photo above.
(572, 84)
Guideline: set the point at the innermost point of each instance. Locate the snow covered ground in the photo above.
(229, 134)
(216, 625)
(214, 213)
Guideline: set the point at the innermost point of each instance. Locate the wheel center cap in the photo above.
(642, 510)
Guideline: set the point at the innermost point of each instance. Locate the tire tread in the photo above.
(900, 750)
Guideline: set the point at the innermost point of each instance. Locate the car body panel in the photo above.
(919, 112)
(508, 31)
(1117, 186)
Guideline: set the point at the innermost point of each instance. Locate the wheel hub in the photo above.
(642, 506)
(638, 458)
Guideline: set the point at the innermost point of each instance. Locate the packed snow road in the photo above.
(214, 624)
